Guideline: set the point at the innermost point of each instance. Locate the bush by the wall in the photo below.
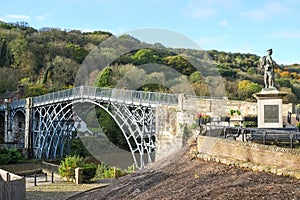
(68, 165)
(103, 171)
(89, 172)
(10, 156)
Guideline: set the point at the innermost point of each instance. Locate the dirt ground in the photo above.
(180, 177)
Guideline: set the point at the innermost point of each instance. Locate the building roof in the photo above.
(9, 94)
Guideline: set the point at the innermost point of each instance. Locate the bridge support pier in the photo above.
(28, 125)
(173, 129)
(8, 126)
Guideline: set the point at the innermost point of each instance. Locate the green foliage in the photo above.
(50, 58)
(104, 78)
(144, 56)
(111, 129)
(76, 52)
(68, 165)
(89, 172)
(35, 90)
(232, 112)
(10, 156)
(78, 148)
(251, 71)
(195, 77)
(282, 82)
(181, 64)
(103, 171)
(247, 88)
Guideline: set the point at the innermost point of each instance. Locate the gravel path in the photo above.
(59, 190)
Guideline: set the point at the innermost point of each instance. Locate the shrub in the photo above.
(89, 172)
(103, 171)
(10, 156)
(68, 165)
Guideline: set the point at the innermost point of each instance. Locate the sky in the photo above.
(245, 26)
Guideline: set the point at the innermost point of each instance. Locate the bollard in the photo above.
(7, 177)
(46, 178)
(52, 177)
(34, 179)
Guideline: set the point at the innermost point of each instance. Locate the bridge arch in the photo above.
(53, 128)
(136, 122)
(2, 127)
(132, 120)
(18, 127)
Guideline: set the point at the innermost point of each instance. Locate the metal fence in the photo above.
(111, 94)
(265, 136)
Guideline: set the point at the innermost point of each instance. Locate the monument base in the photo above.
(269, 107)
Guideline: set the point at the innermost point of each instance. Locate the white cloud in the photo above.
(267, 11)
(16, 17)
(224, 23)
(287, 34)
(42, 17)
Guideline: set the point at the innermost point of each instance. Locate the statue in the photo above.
(267, 63)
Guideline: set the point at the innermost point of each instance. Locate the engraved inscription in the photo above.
(271, 113)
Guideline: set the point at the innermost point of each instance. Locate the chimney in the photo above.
(20, 89)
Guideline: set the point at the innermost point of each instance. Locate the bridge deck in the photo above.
(107, 94)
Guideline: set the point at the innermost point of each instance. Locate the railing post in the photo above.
(264, 136)
(291, 139)
(7, 176)
(34, 179)
(52, 177)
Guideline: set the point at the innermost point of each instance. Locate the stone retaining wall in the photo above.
(21, 167)
(257, 157)
(11, 186)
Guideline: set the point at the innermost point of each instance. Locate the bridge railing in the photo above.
(13, 105)
(18, 104)
(2, 107)
(118, 95)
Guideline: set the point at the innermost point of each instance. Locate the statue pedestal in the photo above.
(269, 107)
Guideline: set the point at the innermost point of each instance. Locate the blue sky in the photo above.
(246, 26)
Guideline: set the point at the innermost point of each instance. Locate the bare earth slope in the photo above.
(180, 177)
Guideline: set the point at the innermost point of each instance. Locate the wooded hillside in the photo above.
(48, 60)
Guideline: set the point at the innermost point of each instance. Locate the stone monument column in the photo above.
(269, 100)
(269, 107)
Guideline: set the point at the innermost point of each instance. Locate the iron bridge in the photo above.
(55, 117)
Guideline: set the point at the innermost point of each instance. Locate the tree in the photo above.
(18, 47)
(195, 77)
(181, 64)
(247, 88)
(144, 56)
(76, 52)
(9, 79)
(111, 129)
(104, 78)
(64, 72)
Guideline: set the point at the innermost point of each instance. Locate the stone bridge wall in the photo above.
(257, 157)
(174, 124)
